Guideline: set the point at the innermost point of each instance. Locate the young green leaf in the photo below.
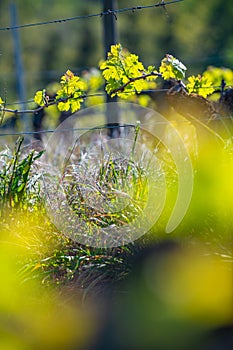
(71, 93)
(125, 75)
(200, 85)
(171, 67)
(216, 75)
(40, 97)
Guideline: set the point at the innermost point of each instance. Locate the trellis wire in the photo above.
(49, 131)
(79, 17)
(99, 94)
(100, 14)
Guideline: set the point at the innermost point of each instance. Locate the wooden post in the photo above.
(19, 65)
(110, 38)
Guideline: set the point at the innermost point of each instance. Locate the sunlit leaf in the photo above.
(171, 67)
(124, 73)
(200, 85)
(40, 97)
(216, 75)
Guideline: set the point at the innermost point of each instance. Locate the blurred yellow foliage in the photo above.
(196, 287)
(33, 316)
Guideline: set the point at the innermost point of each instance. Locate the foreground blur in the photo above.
(179, 294)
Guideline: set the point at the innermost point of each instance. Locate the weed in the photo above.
(17, 188)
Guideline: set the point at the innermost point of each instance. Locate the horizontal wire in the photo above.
(100, 94)
(101, 14)
(103, 127)
(65, 130)
(19, 102)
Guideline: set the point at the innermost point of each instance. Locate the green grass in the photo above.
(51, 256)
(48, 279)
(114, 192)
(18, 188)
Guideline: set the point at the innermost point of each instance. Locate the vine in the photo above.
(125, 76)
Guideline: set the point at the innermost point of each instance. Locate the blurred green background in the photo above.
(198, 32)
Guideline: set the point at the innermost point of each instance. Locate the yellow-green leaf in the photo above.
(75, 106)
(216, 75)
(39, 97)
(200, 85)
(171, 67)
(63, 106)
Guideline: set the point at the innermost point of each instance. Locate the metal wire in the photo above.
(101, 14)
(69, 129)
(100, 94)
(49, 131)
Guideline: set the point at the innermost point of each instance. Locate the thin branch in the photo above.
(38, 109)
(132, 80)
(121, 88)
